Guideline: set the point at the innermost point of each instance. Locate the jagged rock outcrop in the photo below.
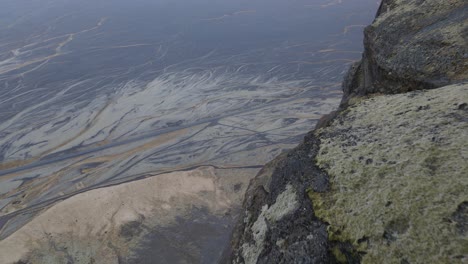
(384, 179)
(279, 225)
(412, 45)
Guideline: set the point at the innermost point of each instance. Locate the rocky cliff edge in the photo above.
(384, 179)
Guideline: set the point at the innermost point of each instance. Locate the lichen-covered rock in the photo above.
(278, 224)
(383, 179)
(285, 204)
(412, 45)
(398, 167)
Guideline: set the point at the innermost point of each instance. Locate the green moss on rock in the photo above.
(398, 169)
(339, 256)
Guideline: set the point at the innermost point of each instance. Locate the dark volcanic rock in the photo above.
(412, 45)
(278, 225)
(295, 235)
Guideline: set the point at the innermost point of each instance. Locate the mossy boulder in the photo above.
(398, 168)
(384, 178)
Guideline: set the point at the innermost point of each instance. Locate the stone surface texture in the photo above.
(412, 45)
(398, 174)
(384, 178)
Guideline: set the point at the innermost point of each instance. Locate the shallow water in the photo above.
(96, 93)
